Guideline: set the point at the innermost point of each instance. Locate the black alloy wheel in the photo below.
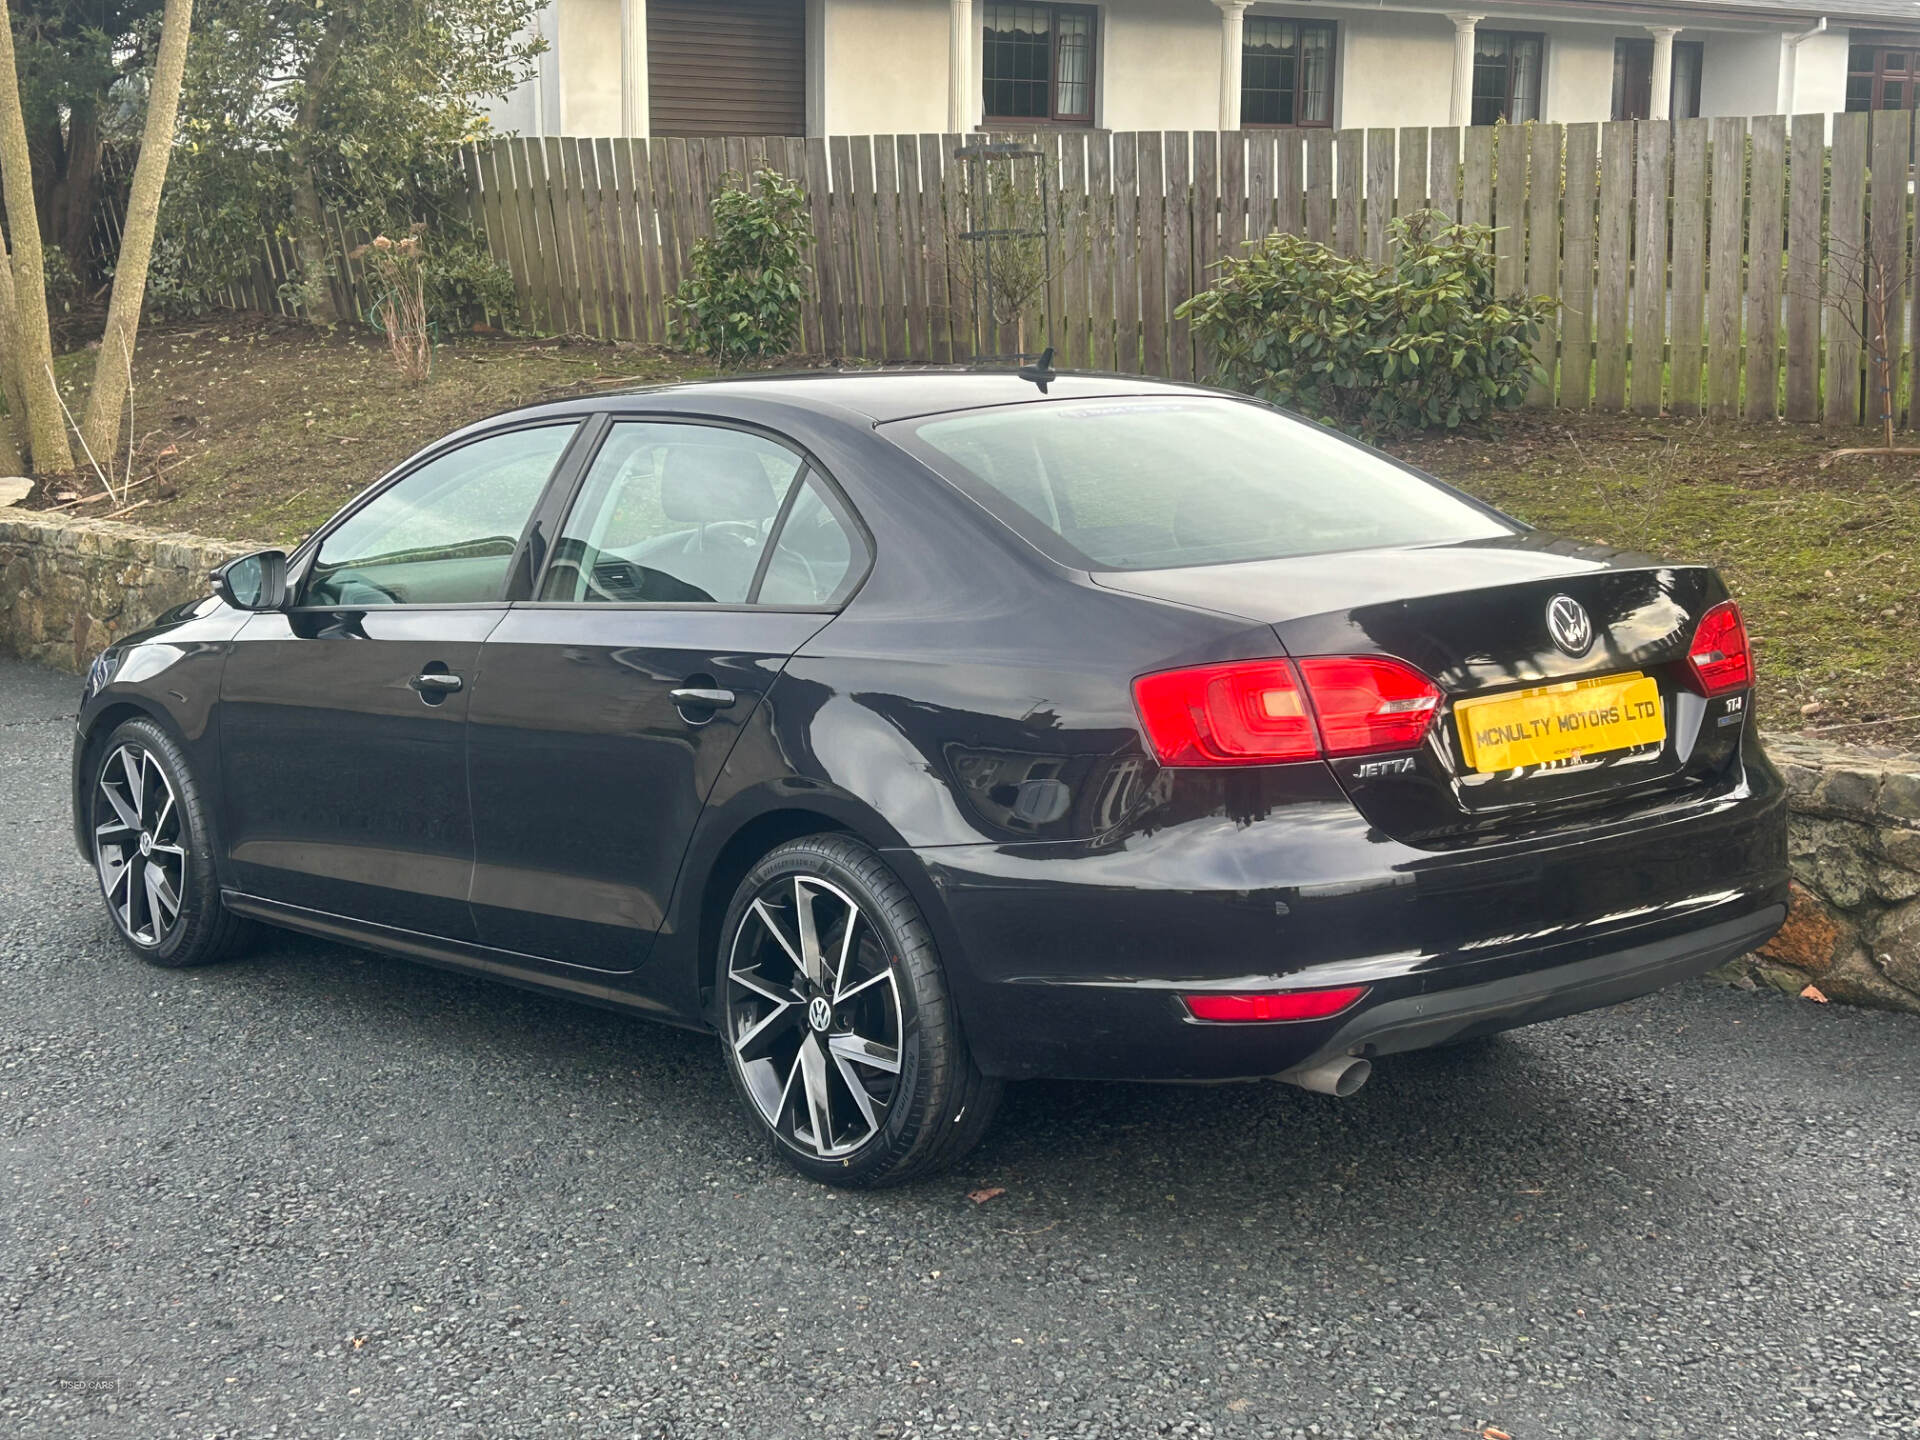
(151, 851)
(836, 1022)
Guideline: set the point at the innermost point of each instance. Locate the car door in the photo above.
(343, 717)
(693, 560)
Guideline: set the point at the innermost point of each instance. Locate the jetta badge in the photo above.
(1567, 622)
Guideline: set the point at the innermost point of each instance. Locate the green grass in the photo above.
(1825, 562)
(251, 430)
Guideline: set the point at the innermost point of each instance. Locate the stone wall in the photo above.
(69, 586)
(1853, 929)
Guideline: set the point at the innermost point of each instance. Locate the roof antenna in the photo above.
(1041, 373)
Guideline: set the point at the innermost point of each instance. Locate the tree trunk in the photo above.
(10, 388)
(13, 423)
(33, 341)
(78, 189)
(112, 376)
(51, 165)
(311, 250)
(10, 461)
(310, 245)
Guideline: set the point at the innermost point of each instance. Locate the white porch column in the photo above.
(963, 66)
(1660, 103)
(636, 103)
(1233, 17)
(1461, 111)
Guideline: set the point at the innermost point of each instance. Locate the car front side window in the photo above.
(445, 533)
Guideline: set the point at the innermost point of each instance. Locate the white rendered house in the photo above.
(817, 67)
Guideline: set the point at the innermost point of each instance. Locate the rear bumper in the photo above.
(1071, 960)
(1419, 1022)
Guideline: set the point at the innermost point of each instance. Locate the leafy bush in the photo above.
(1373, 349)
(742, 300)
(465, 284)
(211, 228)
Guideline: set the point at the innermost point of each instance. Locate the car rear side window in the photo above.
(444, 534)
(818, 556)
(674, 514)
(1149, 483)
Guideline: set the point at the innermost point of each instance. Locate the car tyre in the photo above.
(836, 1022)
(153, 851)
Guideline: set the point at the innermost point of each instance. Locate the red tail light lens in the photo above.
(1720, 655)
(1250, 712)
(1265, 712)
(1290, 1005)
(1369, 704)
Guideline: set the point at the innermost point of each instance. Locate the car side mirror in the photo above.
(253, 582)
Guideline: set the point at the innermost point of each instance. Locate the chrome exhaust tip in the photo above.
(1339, 1076)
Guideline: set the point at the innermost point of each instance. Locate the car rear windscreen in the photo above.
(1153, 483)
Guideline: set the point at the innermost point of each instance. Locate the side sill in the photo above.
(526, 972)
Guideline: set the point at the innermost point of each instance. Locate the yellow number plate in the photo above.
(1561, 722)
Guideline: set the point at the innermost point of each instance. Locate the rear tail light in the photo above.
(1366, 705)
(1263, 712)
(1289, 1005)
(1227, 714)
(1720, 656)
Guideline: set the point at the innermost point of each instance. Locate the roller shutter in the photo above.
(727, 67)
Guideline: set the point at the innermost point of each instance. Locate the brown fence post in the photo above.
(1259, 146)
(1806, 184)
(1443, 170)
(1377, 202)
(1613, 259)
(1289, 176)
(1412, 168)
(1153, 254)
(913, 247)
(1846, 234)
(1687, 301)
(1320, 186)
(1101, 230)
(891, 294)
(1510, 209)
(1543, 250)
(1887, 278)
(1180, 221)
(1764, 239)
(1650, 267)
(1724, 259)
(1126, 252)
(1349, 185)
(1576, 277)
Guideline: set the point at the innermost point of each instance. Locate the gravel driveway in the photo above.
(320, 1193)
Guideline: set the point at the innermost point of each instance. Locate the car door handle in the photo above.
(436, 683)
(695, 698)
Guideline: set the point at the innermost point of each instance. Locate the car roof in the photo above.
(878, 396)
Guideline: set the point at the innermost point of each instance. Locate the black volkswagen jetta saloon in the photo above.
(922, 731)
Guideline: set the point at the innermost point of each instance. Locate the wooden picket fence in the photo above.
(1702, 266)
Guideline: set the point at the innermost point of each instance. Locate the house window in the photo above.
(1633, 79)
(1883, 77)
(1038, 62)
(1286, 72)
(1506, 76)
